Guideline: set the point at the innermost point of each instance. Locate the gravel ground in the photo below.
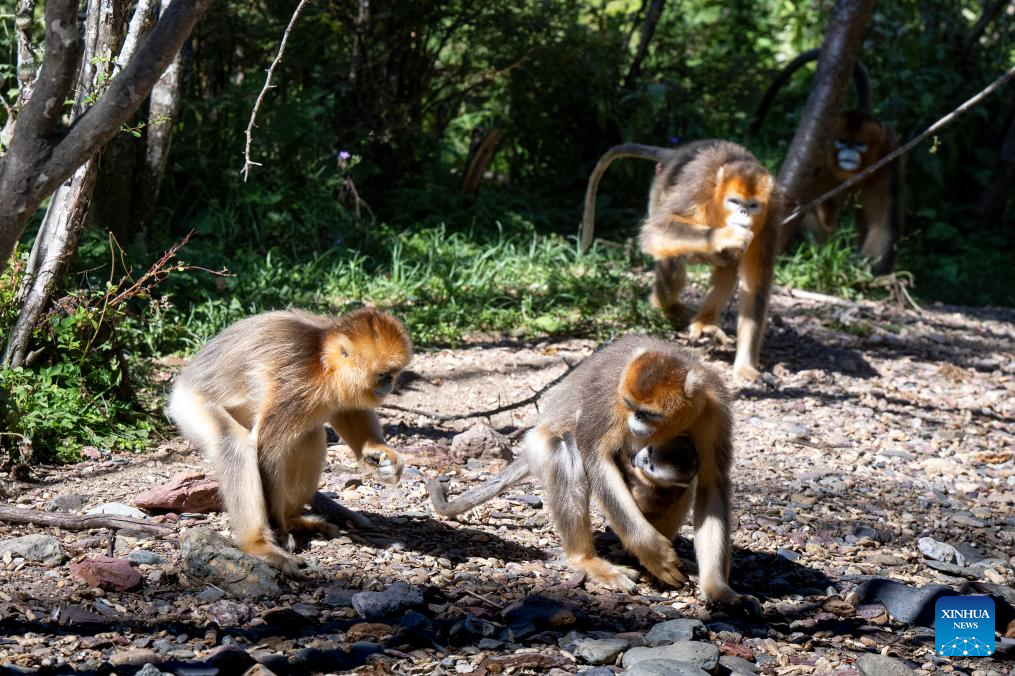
(883, 426)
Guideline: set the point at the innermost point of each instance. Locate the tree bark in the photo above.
(804, 160)
(39, 158)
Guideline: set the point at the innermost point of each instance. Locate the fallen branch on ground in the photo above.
(83, 522)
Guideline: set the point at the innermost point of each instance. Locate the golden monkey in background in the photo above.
(255, 400)
(609, 418)
(710, 202)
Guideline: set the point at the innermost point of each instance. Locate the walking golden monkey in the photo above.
(711, 202)
(255, 400)
(631, 399)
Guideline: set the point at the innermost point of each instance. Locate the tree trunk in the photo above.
(42, 154)
(804, 160)
(65, 218)
(994, 198)
(648, 29)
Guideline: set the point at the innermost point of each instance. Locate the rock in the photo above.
(940, 551)
(738, 666)
(879, 665)
(671, 631)
(971, 554)
(600, 650)
(481, 442)
(953, 569)
(230, 614)
(906, 604)
(339, 597)
(1003, 595)
(258, 670)
(393, 601)
(106, 572)
(704, 656)
(75, 615)
(229, 659)
(788, 554)
(44, 549)
(69, 502)
(470, 629)
(141, 557)
(135, 657)
(598, 671)
(209, 558)
(210, 595)
(537, 612)
(149, 670)
(185, 492)
(533, 501)
(118, 509)
(656, 666)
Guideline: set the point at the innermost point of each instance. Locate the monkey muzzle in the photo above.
(740, 217)
(848, 159)
(645, 462)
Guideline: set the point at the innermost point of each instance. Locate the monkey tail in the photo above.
(636, 150)
(515, 472)
(861, 79)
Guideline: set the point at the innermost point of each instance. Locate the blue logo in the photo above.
(964, 626)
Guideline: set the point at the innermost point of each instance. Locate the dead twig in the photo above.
(83, 522)
(247, 162)
(488, 412)
(495, 604)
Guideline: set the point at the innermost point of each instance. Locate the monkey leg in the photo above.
(566, 496)
(362, 431)
(291, 476)
(670, 278)
(669, 522)
(755, 288)
(875, 222)
(230, 448)
(707, 320)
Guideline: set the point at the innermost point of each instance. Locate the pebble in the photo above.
(106, 572)
(134, 657)
(880, 665)
(939, 551)
(657, 666)
(44, 549)
(118, 509)
(140, 557)
(737, 666)
(392, 602)
(601, 650)
(68, 502)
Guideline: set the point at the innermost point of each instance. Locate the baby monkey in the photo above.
(644, 427)
(255, 400)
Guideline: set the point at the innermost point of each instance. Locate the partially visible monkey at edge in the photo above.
(255, 400)
(635, 396)
(711, 202)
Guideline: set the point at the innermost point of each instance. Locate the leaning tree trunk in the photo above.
(804, 159)
(990, 206)
(43, 153)
(65, 218)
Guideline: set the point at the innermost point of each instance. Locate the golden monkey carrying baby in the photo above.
(255, 400)
(636, 420)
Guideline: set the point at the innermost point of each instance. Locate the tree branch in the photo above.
(83, 522)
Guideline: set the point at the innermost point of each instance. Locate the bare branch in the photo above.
(901, 150)
(83, 522)
(247, 162)
(140, 22)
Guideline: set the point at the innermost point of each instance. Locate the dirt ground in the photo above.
(882, 426)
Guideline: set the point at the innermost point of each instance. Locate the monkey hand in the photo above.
(700, 328)
(665, 564)
(384, 462)
(731, 238)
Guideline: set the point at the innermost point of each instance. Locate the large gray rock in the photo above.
(879, 665)
(657, 666)
(394, 601)
(209, 558)
(44, 549)
(600, 650)
(704, 656)
(738, 666)
(940, 551)
(481, 442)
(909, 605)
(118, 509)
(671, 631)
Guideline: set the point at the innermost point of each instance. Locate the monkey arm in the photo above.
(668, 235)
(361, 430)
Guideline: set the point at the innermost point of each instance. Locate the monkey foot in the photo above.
(607, 574)
(277, 557)
(383, 462)
(703, 329)
(744, 604)
(745, 371)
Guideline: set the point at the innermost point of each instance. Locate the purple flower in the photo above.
(674, 140)
(344, 156)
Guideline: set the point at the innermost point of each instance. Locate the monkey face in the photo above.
(670, 464)
(384, 383)
(849, 154)
(658, 395)
(858, 137)
(744, 191)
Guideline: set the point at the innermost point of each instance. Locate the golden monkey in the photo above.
(659, 475)
(858, 140)
(255, 400)
(637, 393)
(712, 202)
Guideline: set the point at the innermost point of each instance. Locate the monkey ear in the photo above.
(768, 184)
(693, 383)
(719, 174)
(345, 345)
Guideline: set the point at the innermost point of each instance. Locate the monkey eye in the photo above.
(840, 144)
(646, 416)
(862, 147)
(735, 201)
(753, 205)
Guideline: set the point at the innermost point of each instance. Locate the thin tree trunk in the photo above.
(804, 160)
(648, 29)
(65, 219)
